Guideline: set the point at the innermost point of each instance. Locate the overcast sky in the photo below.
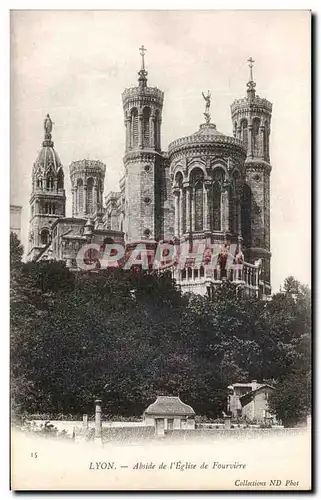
(75, 64)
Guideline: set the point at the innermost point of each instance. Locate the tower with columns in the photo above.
(87, 180)
(208, 190)
(251, 118)
(207, 170)
(48, 199)
(147, 207)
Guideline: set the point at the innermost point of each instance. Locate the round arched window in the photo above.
(44, 236)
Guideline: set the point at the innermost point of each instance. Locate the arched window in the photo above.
(179, 184)
(134, 127)
(99, 190)
(60, 179)
(216, 205)
(184, 274)
(157, 130)
(146, 128)
(189, 273)
(80, 196)
(50, 183)
(197, 182)
(246, 215)
(233, 203)
(244, 132)
(256, 143)
(44, 237)
(266, 141)
(90, 191)
(201, 272)
(216, 199)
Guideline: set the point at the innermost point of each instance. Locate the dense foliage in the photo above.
(127, 336)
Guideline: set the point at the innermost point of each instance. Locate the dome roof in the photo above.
(48, 159)
(207, 129)
(207, 136)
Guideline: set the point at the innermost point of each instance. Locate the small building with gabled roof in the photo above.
(169, 413)
(250, 400)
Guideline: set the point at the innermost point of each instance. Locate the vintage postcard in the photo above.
(160, 322)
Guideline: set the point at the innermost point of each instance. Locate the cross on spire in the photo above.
(251, 61)
(142, 51)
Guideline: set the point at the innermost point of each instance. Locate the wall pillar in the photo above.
(95, 197)
(205, 207)
(181, 215)
(73, 194)
(127, 125)
(158, 134)
(262, 141)
(152, 130)
(85, 421)
(176, 201)
(227, 421)
(250, 142)
(98, 424)
(193, 209)
(188, 209)
(140, 130)
(85, 198)
(225, 208)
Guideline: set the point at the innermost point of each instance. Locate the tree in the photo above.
(291, 399)
(16, 252)
(129, 336)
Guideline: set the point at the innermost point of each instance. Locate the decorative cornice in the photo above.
(205, 140)
(255, 104)
(216, 150)
(87, 166)
(257, 166)
(141, 156)
(143, 96)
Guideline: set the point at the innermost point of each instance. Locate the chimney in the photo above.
(254, 384)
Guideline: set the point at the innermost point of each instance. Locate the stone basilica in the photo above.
(208, 188)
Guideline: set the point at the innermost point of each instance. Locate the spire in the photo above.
(47, 125)
(142, 73)
(251, 83)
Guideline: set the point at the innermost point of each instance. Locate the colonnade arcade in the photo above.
(255, 135)
(207, 203)
(143, 128)
(87, 196)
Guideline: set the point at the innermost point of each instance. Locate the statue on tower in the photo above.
(47, 124)
(207, 99)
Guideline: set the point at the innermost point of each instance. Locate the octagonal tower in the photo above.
(48, 199)
(87, 180)
(251, 118)
(147, 210)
